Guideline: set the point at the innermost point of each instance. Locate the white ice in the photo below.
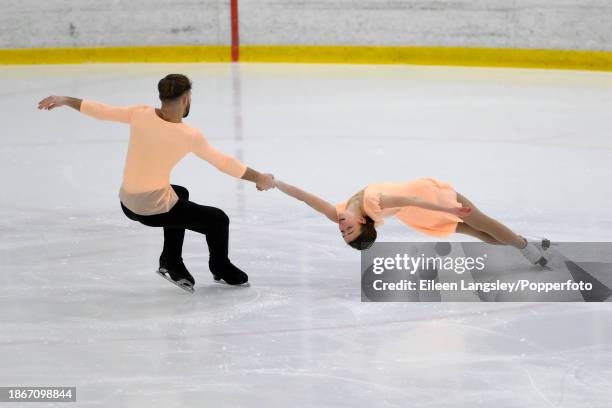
(80, 304)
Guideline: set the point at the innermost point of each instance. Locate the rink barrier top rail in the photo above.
(450, 56)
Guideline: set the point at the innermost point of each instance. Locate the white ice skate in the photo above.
(542, 243)
(534, 251)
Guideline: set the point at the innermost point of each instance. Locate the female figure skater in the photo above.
(158, 141)
(427, 205)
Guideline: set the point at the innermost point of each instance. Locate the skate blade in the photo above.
(223, 282)
(183, 283)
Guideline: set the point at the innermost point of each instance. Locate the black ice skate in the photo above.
(176, 272)
(229, 273)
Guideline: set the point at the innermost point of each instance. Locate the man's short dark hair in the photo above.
(173, 86)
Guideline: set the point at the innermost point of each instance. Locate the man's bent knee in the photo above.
(221, 217)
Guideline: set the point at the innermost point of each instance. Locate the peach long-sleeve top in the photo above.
(434, 223)
(155, 147)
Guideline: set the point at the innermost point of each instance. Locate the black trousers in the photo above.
(210, 221)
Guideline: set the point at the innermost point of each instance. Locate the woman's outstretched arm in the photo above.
(401, 201)
(312, 200)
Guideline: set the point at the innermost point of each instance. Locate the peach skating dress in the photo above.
(435, 223)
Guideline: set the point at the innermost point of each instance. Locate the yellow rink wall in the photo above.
(451, 56)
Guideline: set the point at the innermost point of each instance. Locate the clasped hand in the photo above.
(265, 182)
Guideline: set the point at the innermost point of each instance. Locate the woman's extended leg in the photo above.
(481, 222)
(463, 228)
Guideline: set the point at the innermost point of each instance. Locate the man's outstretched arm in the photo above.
(52, 102)
(230, 165)
(94, 109)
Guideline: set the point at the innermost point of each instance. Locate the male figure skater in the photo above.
(158, 141)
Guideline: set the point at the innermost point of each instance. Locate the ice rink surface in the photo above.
(80, 304)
